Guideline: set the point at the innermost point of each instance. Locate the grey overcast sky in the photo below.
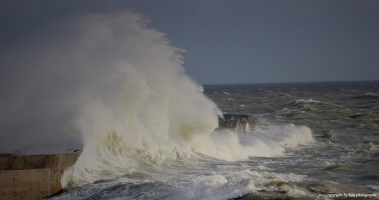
(55, 54)
(239, 41)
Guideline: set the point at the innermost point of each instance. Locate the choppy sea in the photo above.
(312, 141)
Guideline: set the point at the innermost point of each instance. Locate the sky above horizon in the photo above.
(60, 58)
(241, 41)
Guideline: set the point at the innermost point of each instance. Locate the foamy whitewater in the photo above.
(150, 132)
(140, 110)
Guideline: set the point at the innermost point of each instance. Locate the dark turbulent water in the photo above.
(342, 159)
(344, 118)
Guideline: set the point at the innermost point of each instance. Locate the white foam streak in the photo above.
(230, 146)
(287, 135)
(236, 183)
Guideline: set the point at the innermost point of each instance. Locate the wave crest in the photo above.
(139, 108)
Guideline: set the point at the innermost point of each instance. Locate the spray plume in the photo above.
(121, 86)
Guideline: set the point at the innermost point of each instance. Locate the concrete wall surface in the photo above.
(33, 177)
(29, 184)
(38, 161)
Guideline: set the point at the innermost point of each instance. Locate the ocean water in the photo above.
(118, 88)
(310, 141)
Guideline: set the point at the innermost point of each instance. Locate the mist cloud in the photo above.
(47, 77)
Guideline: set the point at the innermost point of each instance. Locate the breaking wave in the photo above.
(140, 109)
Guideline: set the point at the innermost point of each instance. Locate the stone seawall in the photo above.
(34, 176)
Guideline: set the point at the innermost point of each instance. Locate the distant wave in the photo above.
(303, 101)
(367, 96)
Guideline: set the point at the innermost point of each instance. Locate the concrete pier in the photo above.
(34, 176)
(38, 176)
(238, 125)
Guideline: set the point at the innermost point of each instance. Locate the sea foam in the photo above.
(141, 108)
